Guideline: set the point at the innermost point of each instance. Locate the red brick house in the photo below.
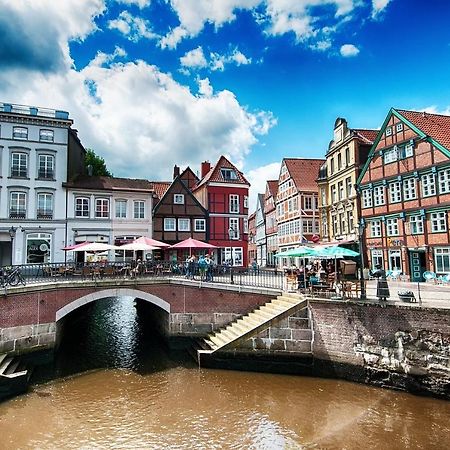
(223, 191)
(405, 194)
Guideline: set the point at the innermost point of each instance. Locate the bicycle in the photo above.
(11, 276)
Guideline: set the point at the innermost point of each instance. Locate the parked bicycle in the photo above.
(12, 276)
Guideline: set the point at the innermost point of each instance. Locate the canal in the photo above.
(114, 384)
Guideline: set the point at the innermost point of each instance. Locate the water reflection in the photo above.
(144, 397)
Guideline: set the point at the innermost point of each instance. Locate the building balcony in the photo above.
(19, 173)
(45, 214)
(33, 111)
(46, 175)
(17, 214)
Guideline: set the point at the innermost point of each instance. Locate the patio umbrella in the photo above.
(334, 252)
(191, 243)
(136, 246)
(74, 246)
(152, 242)
(96, 247)
(301, 252)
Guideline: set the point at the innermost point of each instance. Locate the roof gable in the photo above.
(271, 188)
(304, 172)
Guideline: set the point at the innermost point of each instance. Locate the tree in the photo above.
(97, 163)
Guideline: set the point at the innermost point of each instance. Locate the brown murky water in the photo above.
(168, 405)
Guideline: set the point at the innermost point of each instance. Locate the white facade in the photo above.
(33, 165)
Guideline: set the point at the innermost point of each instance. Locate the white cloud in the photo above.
(205, 88)
(258, 178)
(379, 6)
(102, 58)
(194, 59)
(348, 50)
(133, 28)
(433, 109)
(140, 3)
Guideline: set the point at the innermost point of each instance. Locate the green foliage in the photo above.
(97, 162)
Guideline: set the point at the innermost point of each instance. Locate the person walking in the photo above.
(382, 284)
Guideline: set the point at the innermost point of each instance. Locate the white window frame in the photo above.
(47, 210)
(376, 256)
(200, 225)
(378, 195)
(442, 259)
(399, 127)
(46, 166)
(234, 225)
(395, 192)
(375, 228)
(395, 255)
(234, 203)
(416, 224)
(428, 181)
(46, 135)
(308, 202)
(184, 224)
(18, 204)
(170, 224)
(438, 222)
(444, 181)
(388, 131)
(245, 201)
(392, 228)
(82, 206)
(391, 155)
(138, 209)
(349, 187)
(228, 174)
(367, 198)
(178, 199)
(121, 209)
(409, 189)
(20, 133)
(102, 209)
(19, 165)
(408, 150)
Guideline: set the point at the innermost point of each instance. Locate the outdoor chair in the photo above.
(429, 276)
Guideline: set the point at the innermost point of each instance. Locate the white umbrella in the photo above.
(136, 246)
(96, 247)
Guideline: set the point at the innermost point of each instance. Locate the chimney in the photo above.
(176, 171)
(206, 166)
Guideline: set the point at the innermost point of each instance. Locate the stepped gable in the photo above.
(214, 174)
(304, 172)
(437, 126)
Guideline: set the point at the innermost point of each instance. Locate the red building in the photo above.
(251, 237)
(405, 194)
(223, 191)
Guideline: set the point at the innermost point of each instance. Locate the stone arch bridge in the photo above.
(29, 315)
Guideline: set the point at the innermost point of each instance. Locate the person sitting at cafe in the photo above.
(313, 278)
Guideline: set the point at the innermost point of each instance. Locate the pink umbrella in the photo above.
(150, 241)
(74, 246)
(192, 243)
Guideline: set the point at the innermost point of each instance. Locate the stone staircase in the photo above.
(14, 376)
(256, 321)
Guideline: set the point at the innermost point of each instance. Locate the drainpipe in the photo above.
(65, 228)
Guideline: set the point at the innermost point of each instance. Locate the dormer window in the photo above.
(178, 199)
(228, 174)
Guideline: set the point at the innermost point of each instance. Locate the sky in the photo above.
(153, 83)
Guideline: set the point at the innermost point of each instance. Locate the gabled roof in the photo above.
(189, 177)
(272, 187)
(160, 188)
(367, 136)
(304, 172)
(437, 126)
(214, 174)
(109, 183)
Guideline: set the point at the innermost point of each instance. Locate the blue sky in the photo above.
(153, 83)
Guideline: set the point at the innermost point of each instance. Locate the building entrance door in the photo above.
(417, 264)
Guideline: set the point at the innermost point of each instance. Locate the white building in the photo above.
(39, 151)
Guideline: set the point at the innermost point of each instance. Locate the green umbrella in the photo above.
(301, 252)
(335, 252)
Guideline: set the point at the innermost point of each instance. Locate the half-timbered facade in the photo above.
(251, 238)
(260, 223)
(271, 221)
(297, 201)
(405, 194)
(223, 191)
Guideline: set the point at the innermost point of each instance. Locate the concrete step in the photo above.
(230, 334)
(218, 339)
(210, 344)
(293, 295)
(241, 327)
(264, 313)
(12, 366)
(3, 357)
(6, 362)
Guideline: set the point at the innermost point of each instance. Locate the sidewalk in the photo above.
(432, 295)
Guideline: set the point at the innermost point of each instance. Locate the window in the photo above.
(438, 222)
(17, 205)
(375, 228)
(233, 230)
(121, 209)
(408, 150)
(409, 189)
(332, 166)
(349, 184)
(308, 203)
(184, 225)
(178, 199)
(341, 190)
(46, 167)
(101, 208)
(416, 224)
(377, 257)
(339, 163)
(39, 248)
(169, 224)
(395, 259)
(388, 131)
(19, 165)
(333, 194)
(139, 209)
(442, 259)
(395, 192)
(347, 156)
(367, 198)
(307, 226)
(245, 201)
(335, 224)
(234, 203)
(350, 221)
(391, 155)
(245, 226)
(45, 206)
(392, 227)
(444, 181)
(342, 223)
(428, 185)
(399, 127)
(46, 135)
(228, 174)
(20, 133)
(323, 196)
(199, 225)
(81, 207)
(378, 195)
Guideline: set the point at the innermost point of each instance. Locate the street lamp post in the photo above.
(12, 235)
(361, 229)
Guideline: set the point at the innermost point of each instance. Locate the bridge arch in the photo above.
(118, 292)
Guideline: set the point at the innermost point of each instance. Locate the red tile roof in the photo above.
(304, 172)
(214, 174)
(272, 187)
(368, 136)
(436, 126)
(160, 188)
(109, 183)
